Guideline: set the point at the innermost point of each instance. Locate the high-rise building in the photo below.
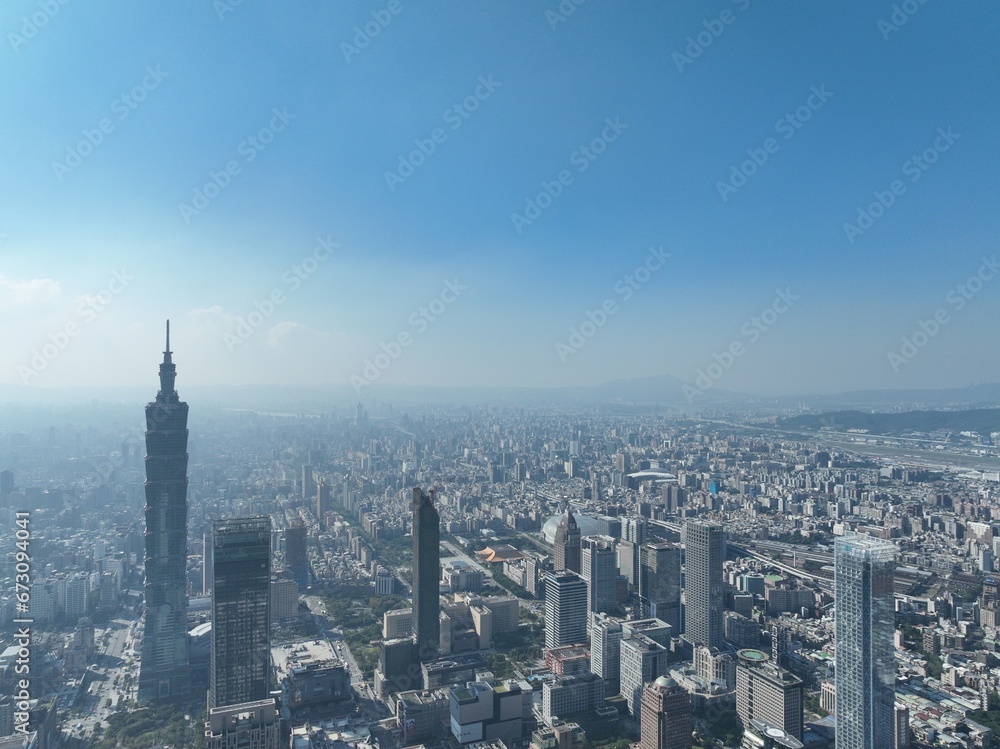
(565, 608)
(605, 648)
(322, 500)
(642, 660)
(566, 551)
(77, 595)
(665, 717)
(628, 562)
(426, 575)
(705, 550)
(206, 563)
(308, 482)
(864, 629)
(253, 725)
(599, 571)
(296, 557)
(633, 537)
(660, 583)
(241, 611)
(164, 667)
(769, 693)
(6, 483)
(634, 529)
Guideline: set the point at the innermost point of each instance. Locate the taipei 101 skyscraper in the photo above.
(164, 672)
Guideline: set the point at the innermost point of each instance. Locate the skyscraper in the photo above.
(322, 500)
(296, 558)
(705, 550)
(633, 536)
(426, 575)
(164, 670)
(665, 717)
(565, 608)
(207, 575)
(864, 628)
(660, 583)
(241, 611)
(598, 560)
(308, 482)
(566, 551)
(643, 661)
(605, 648)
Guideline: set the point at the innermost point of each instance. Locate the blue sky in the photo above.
(553, 85)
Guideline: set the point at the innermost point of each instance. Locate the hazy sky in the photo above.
(187, 160)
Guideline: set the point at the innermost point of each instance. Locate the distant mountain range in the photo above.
(665, 390)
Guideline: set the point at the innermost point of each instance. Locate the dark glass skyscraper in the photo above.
(240, 667)
(660, 583)
(426, 575)
(164, 670)
(296, 558)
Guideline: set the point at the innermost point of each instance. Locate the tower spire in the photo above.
(168, 371)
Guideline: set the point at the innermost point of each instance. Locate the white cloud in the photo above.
(277, 333)
(21, 293)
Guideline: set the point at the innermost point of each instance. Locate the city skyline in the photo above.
(557, 374)
(702, 187)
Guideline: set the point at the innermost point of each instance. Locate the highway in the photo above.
(114, 658)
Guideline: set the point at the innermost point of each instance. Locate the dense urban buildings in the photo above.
(164, 671)
(240, 658)
(344, 649)
(865, 625)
